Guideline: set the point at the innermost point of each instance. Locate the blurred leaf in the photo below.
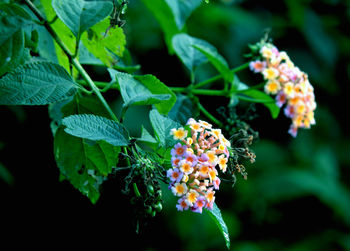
(38, 83)
(171, 15)
(162, 126)
(80, 15)
(105, 45)
(217, 61)
(320, 42)
(253, 95)
(94, 127)
(5, 175)
(183, 109)
(215, 214)
(184, 48)
(12, 52)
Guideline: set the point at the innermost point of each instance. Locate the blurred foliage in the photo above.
(297, 196)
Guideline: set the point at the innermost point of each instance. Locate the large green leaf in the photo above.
(38, 83)
(84, 163)
(216, 60)
(79, 15)
(146, 136)
(94, 127)
(215, 214)
(183, 45)
(144, 90)
(171, 15)
(105, 45)
(162, 126)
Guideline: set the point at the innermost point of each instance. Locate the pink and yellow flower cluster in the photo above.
(290, 85)
(193, 176)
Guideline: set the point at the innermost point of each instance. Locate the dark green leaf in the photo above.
(191, 57)
(5, 175)
(38, 83)
(253, 95)
(12, 52)
(79, 15)
(94, 127)
(162, 126)
(171, 15)
(183, 109)
(216, 60)
(215, 214)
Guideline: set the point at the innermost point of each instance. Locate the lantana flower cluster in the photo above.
(290, 85)
(193, 176)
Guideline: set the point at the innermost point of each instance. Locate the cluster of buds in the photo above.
(290, 85)
(193, 176)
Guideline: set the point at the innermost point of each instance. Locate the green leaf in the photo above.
(105, 45)
(253, 95)
(38, 83)
(171, 15)
(12, 19)
(183, 109)
(5, 175)
(182, 9)
(215, 214)
(12, 52)
(79, 15)
(216, 60)
(84, 163)
(94, 127)
(144, 90)
(162, 126)
(183, 45)
(146, 136)
(45, 39)
(157, 87)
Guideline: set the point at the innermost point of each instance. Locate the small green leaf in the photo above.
(216, 60)
(94, 127)
(146, 136)
(79, 15)
(215, 214)
(144, 90)
(105, 45)
(38, 83)
(162, 126)
(157, 87)
(253, 95)
(191, 57)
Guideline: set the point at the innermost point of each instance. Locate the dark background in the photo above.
(297, 193)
